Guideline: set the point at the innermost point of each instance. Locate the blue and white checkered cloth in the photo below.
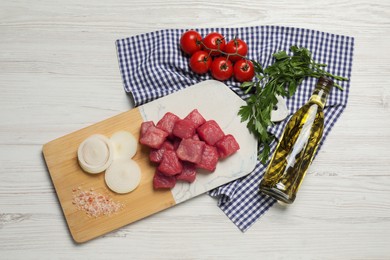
(152, 65)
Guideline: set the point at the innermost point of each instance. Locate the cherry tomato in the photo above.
(190, 42)
(200, 62)
(236, 46)
(244, 70)
(221, 68)
(214, 41)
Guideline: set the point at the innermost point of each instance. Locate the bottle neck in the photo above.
(321, 93)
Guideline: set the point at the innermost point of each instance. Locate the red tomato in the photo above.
(236, 46)
(200, 62)
(244, 70)
(214, 41)
(221, 68)
(190, 42)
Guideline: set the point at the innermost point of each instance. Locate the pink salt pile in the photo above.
(94, 204)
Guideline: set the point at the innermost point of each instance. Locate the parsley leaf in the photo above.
(281, 78)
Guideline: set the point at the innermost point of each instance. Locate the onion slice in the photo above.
(123, 176)
(125, 145)
(95, 154)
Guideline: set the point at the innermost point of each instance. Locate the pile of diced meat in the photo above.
(181, 146)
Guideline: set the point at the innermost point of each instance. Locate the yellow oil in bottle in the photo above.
(297, 147)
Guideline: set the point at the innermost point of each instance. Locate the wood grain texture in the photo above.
(59, 73)
(69, 179)
(67, 176)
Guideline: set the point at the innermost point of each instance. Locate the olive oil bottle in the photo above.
(297, 147)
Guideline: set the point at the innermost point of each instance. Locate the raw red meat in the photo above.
(210, 132)
(190, 150)
(209, 158)
(162, 181)
(196, 117)
(184, 129)
(167, 122)
(153, 137)
(176, 142)
(195, 137)
(227, 146)
(170, 164)
(188, 173)
(181, 147)
(145, 126)
(156, 155)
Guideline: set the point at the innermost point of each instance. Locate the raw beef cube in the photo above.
(162, 181)
(176, 142)
(210, 132)
(196, 117)
(188, 173)
(154, 137)
(170, 164)
(184, 129)
(190, 150)
(227, 146)
(195, 137)
(156, 155)
(209, 158)
(167, 122)
(145, 126)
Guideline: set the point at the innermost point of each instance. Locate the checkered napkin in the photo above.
(152, 65)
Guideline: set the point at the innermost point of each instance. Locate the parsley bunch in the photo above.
(281, 78)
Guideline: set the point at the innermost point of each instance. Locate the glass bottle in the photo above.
(297, 147)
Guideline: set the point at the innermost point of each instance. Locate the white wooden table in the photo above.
(59, 73)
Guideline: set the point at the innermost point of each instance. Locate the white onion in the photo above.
(124, 144)
(95, 154)
(123, 176)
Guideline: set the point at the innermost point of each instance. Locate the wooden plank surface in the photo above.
(67, 177)
(59, 73)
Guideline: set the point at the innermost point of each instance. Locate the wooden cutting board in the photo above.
(213, 99)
